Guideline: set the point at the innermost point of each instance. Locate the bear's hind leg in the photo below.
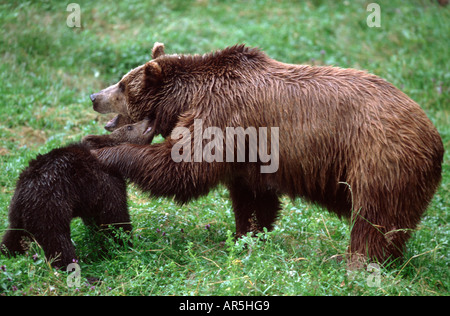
(376, 235)
(13, 241)
(48, 223)
(57, 245)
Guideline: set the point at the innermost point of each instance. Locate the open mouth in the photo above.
(116, 122)
(148, 130)
(147, 125)
(112, 123)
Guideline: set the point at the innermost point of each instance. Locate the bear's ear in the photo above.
(158, 50)
(152, 72)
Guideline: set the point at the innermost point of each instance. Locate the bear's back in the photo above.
(67, 176)
(73, 161)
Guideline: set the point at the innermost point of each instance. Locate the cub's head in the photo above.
(134, 97)
(138, 133)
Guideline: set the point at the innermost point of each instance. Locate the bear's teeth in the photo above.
(148, 130)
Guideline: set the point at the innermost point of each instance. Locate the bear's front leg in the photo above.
(152, 168)
(253, 209)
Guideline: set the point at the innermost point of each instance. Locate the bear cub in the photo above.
(65, 183)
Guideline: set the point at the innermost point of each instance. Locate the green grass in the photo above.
(48, 70)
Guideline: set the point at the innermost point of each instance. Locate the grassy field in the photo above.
(48, 70)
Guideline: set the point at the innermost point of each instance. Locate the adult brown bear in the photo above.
(348, 140)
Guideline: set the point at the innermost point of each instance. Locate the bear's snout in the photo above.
(96, 102)
(93, 96)
(109, 100)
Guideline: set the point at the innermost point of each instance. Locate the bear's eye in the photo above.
(129, 127)
(121, 87)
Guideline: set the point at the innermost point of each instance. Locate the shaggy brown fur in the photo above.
(349, 140)
(65, 183)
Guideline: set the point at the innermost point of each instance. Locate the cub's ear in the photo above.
(152, 72)
(158, 50)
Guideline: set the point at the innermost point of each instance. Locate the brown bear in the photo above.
(65, 183)
(343, 138)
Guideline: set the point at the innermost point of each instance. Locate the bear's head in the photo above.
(135, 96)
(173, 89)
